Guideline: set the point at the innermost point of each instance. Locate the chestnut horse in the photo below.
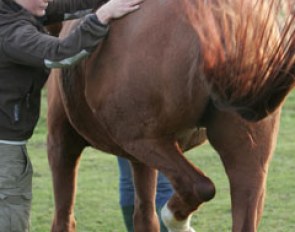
(163, 72)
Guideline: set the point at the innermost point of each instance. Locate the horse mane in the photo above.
(248, 49)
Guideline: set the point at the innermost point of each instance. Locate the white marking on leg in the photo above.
(174, 225)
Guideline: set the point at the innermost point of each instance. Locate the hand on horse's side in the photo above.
(116, 9)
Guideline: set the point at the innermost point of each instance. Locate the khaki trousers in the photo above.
(15, 188)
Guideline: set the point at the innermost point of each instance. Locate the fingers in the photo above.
(132, 5)
(134, 2)
(117, 8)
(132, 8)
(123, 7)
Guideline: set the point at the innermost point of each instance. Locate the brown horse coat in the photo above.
(157, 78)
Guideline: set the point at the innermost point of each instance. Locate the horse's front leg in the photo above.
(145, 217)
(245, 150)
(63, 155)
(64, 148)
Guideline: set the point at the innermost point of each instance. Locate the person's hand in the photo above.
(116, 9)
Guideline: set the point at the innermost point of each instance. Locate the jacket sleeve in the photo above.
(70, 9)
(27, 46)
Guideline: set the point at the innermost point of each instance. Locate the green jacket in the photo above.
(27, 53)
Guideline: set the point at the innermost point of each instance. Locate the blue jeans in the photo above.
(126, 187)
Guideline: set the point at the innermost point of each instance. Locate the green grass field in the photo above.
(97, 208)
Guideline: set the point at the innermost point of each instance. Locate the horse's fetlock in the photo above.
(206, 190)
(173, 223)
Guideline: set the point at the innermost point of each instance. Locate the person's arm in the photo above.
(26, 45)
(58, 11)
(72, 6)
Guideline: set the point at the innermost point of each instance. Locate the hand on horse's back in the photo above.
(116, 8)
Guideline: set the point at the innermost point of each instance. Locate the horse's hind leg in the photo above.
(245, 150)
(191, 186)
(145, 218)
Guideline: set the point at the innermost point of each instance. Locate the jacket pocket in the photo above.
(24, 112)
(21, 106)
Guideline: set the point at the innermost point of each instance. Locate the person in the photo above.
(26, 55)
(126, 194)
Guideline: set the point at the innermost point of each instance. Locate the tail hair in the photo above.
(247, 46)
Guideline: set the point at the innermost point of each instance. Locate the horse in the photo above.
(163, 73)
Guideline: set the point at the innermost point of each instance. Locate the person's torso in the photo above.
(20, 85)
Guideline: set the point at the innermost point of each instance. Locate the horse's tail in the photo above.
(248, 50)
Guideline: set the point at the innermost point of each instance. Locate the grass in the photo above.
(97, 208)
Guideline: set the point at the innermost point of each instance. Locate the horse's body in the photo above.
(141, 95)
